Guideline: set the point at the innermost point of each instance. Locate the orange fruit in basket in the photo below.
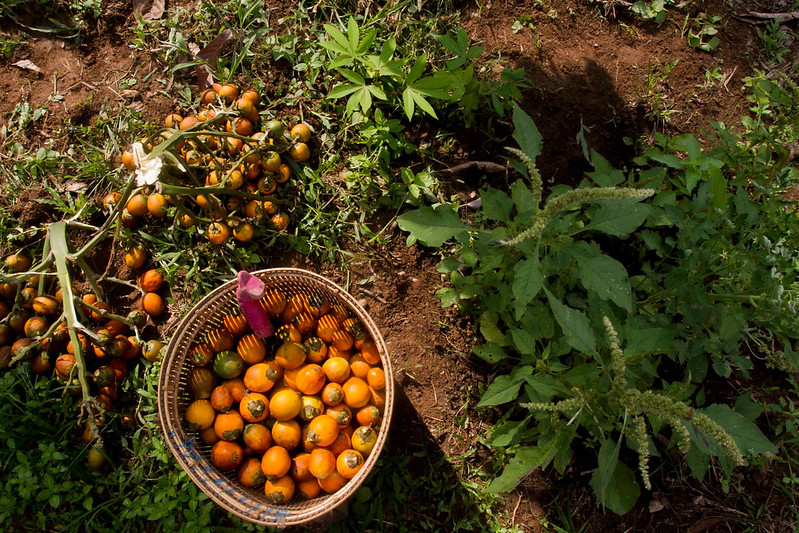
(368, 416)
(261, 377)
(251, 348)
(294, 306)
(257, 437)
(221, 340)
(228, 426)
(280, 490)
(199, 415)
(322, 463)
(287, 433)
(340, 312)
(364, 439)
(304, 322)
(333, 482)
(322, 430)
(273, 302)
(332, 394)
(254, 407)
(378, 398)
(356, 392)
(369, 352)
(341, 413)
(208, 436)
(250, 474)
(349, 463)
(376, 377)
(287, 332)
(326, 327)
(332, 351)
(285, 404)
(299, 467)
(307, 489)
(310, 379)
(226, 455)
(316, 348)
(237, 325)
(221, 399)
(341, 443)
(236, 387)
(290, 355)
(360, 368)
(342, 340)
(337, 369)
(312, 407)
(276, 462)
(201, 382)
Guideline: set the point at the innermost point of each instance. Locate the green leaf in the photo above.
(408, 103)
(337, 36)
(432, 226)
(508, 432)
(489, 329)
(718, 187)
(526, 133)
(575, 326)
(525, 460)
(618, 217)
(747, 436)
(602, 274)
(604, 174)
(496, 204)
(342, 90)
(504, 388)
(417, 69)
(489, 352)
(353, 76)
(648, 340)
(448, 296)
(523, 200)
(614, 482)
(353, 34)
(523, 341)
(528, 278)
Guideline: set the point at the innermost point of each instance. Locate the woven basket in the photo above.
(173, 399)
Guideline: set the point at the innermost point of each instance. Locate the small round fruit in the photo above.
(356, 393)
(279, 491)
(299, 152)
(218, 232)
(137, 205)
(285, 404)
(228, 365)
(200, 415)
(290, 355)
(151, 280)
(254, 407)
(250, 474)
(128, 161)
(156, 205)
(257, 437)
(221, 399)
(287, 433)
(153, 304)
(301, 132)
(310, 379)
(152, 350)
(135, 257)
(276, 462)
(274, 129)
(322, 463)
(349, 463)
(364, 439)
(322, 430)
(228, 426)
(226, 455)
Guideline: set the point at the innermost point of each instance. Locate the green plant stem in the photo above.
(58, 242)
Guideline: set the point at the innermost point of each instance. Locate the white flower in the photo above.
(147, 169)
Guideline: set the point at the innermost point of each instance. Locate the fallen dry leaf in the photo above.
(149, 10)
(26, 64)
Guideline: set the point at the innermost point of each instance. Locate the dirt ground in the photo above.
(591, 68)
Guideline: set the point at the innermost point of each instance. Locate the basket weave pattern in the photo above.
(173, 399)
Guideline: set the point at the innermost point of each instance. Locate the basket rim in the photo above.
(218, 486)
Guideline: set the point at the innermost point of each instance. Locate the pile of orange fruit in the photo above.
(32, 329)
(235, 149)
(296, 414)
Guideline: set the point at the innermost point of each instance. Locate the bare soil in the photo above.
(591, 68)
